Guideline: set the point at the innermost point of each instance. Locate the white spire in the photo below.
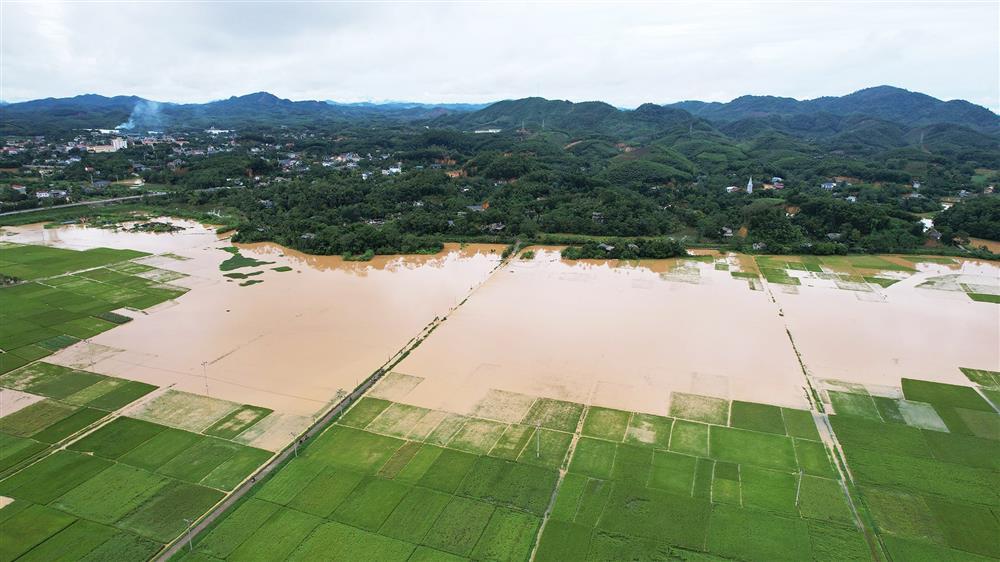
(750, 185)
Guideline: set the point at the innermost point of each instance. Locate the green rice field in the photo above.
(68, 296)
(71, 402)
(717, 480)
(911, 473)
(87, 483)
(129, 486)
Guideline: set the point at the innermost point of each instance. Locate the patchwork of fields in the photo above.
(79, 477)
(95, 467)
(69, 296)
(927, 467)
(87, 483)
(738, 480)
(862, 274)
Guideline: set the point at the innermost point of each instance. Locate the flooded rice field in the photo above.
(617, 335)
(294, 332)
(309, 332)
(628, 335)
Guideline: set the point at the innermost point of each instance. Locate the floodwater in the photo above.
(81, 237)
(292, 343)
(617, 334)
(904, 330)
(626, 335)
(622, 335)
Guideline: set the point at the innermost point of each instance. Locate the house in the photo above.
(851, 199)
(732, 189)
(776, 179)
(52, 194)
(758, 246)
(365, 175)
(605, 247)
(486, 131)
(916, 184)
(100, 184)
(933, 234)
(597, 217)
(726, 232)
(828, 185)
(496, 226)
(834, 235)
(19, 188)
(989, 189)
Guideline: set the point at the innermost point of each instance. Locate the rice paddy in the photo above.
(80, 480)
(70, 296)
(129, 485)
(88, 483)
(103, 468)
(756, 483)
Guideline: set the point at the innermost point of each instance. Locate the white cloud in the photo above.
(625, 54)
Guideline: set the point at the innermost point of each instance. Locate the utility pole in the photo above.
(538, 440)
(189, 522)
(295, 442)
(204, 374)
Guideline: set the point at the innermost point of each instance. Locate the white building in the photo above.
(750, 185)
(118, 144)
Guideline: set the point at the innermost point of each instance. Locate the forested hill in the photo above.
(785, 124)
(592, 117)
(882, 102)
(329, 178)
(258, 110)
(884, 114)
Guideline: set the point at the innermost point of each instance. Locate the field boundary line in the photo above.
(563, 471)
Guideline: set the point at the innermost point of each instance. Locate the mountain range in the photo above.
(885, 115)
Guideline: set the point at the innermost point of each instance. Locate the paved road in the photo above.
(84, 203)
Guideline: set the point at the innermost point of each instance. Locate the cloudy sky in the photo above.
(621, 52)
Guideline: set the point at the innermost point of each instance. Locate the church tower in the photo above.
(750, 185)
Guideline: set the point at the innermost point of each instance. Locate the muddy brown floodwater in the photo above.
(618, 335)
(623, 335)
(626, 335)
(291, 343)
(904, 330)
